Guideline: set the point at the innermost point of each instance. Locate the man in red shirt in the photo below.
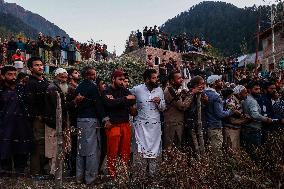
(18, 56)
(18, 60)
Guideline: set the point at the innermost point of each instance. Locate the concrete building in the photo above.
(266, 38)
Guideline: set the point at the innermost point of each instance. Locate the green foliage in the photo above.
(250, 66)
(133, 67)
(221, 24)
(244, 47)
(213, 52)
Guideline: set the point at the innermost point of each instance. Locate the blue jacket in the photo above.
(215, 110)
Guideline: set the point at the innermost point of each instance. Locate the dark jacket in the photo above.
(16, 135)
(265, 103)
(71, 95)
(118, 108)
(35, 94)
(92, 106)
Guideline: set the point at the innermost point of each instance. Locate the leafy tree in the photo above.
(222, 24)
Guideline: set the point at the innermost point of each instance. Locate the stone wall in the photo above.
(159, 54)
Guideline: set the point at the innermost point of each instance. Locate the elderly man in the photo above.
(215, 113)
(233, 123)
(147, 124)
(90, 113)
(59, 85)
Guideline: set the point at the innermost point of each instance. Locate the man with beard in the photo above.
(118, 101)
(90, 114)
(177, 101)
(252, 130)
(265, 103)
(59, 85)
(215, 113)
(35, 93)
(126, 81)
(74, 78)
(15, 132)
(147, 124)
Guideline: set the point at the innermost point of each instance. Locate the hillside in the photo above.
(34, 21)
(224, 25)
(12, 25)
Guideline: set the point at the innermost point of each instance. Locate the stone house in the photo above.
(157, 55)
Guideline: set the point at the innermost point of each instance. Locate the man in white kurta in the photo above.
(147, 124)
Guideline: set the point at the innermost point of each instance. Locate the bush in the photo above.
(133, 67)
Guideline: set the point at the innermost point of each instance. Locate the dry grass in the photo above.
(179, 170)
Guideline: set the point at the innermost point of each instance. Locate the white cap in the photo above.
(212, 78)
(238, 89)
(59, 71)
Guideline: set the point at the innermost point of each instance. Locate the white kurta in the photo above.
(147, 124)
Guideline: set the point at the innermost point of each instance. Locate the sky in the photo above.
(111, 21)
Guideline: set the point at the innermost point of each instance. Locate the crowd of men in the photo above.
(153, 37)
(97, 123)
(58, 50)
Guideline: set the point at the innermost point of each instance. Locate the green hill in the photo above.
(224, 25)
(10, 25)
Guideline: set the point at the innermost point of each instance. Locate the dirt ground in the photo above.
(28, 183)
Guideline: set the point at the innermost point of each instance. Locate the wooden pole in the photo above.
(199, 125)
(258, 40)
(59, 153)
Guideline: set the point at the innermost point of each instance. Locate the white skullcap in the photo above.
(59, 71)
(238, 89)
(211, 79)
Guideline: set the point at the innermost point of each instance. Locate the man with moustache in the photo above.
(118, 101)
(177, 101)
(90, 115)
(215, 112)
(147, 124)
(266, 104)
(35, 94)
(59, 85)
(74, 77)
(15, 132)
(252, 131)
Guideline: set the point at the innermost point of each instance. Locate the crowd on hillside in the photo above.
(153, 37)
(106, 122)
(58, 50)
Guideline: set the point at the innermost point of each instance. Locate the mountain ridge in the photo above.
(35, 21)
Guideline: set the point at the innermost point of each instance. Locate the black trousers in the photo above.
(17, 161)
